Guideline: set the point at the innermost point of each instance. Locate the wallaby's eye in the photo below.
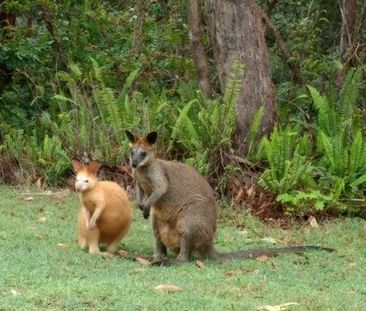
(86, 180)
(143, 153)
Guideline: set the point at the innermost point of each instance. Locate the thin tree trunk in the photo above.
(7, 25)
(348, 9)
(47, 17)
(349, 17)
(138, 33)
(270, 7)
(197, 47)
(237, 29)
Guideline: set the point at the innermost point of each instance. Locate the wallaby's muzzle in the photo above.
(146, 212)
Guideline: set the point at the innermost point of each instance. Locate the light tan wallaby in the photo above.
(105, 215)
(183, 206)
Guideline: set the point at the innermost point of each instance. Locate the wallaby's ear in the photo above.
(130, 136)
(152, 137)
(93, 167)
(76, 165)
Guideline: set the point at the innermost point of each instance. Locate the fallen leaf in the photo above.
(352, 264)
(28, 198)
(143, 261)
(229, 275)
(42, 219)
(263, 258)
(280, 307)
(238, 198)
(59, 195)
(313, 222)
(122, 253)
(200, 264)
(137, 271)
(251, 191)
(62, 245)
(39, 183)
(269, 240)
(168, 288)
(14, 292)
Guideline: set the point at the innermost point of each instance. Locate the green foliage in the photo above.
(205, 126)
(69, 91)
(286, 153)
(337, 170)
(340, 142)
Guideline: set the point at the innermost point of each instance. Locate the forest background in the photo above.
(265, 98)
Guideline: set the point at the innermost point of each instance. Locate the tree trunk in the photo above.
(138, 33)
(349, 17)
(347, 52)
(7, 25)
(197, 47)
(237, 30)
(59, 55)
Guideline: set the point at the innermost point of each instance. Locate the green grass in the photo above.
(42, 268)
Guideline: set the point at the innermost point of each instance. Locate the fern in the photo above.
(183, 122)
(230, 99)
(340, 142)
(253, 130)
(288, 169)
(349, 94)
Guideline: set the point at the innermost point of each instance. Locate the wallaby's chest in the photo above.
(91, 201)
(145, 180)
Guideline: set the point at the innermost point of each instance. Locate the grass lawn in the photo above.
(42, 268)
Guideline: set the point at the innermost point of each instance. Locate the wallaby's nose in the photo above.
(146, 212)
(134, 164)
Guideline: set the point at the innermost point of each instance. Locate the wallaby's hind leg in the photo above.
(184, 248)
(93, 240)
(112, 248)
(160, 251)
(83, 242)
(209, 252)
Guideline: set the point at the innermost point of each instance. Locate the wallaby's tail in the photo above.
(255, 253)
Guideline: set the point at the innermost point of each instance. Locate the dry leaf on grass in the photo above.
(62, 245)
(122, 253)
(200, 264)
(229, 275)
(137, 271)
(313, 222)
(14, 292)
(170, 288)
(57, 195)
(263, 258)
(269, 240)
(39, 183)
(42, 219)
(143, 261)
(280, 307)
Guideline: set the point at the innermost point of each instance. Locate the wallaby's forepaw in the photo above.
(91, 225)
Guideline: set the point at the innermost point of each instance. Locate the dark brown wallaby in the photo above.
(183, 206)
